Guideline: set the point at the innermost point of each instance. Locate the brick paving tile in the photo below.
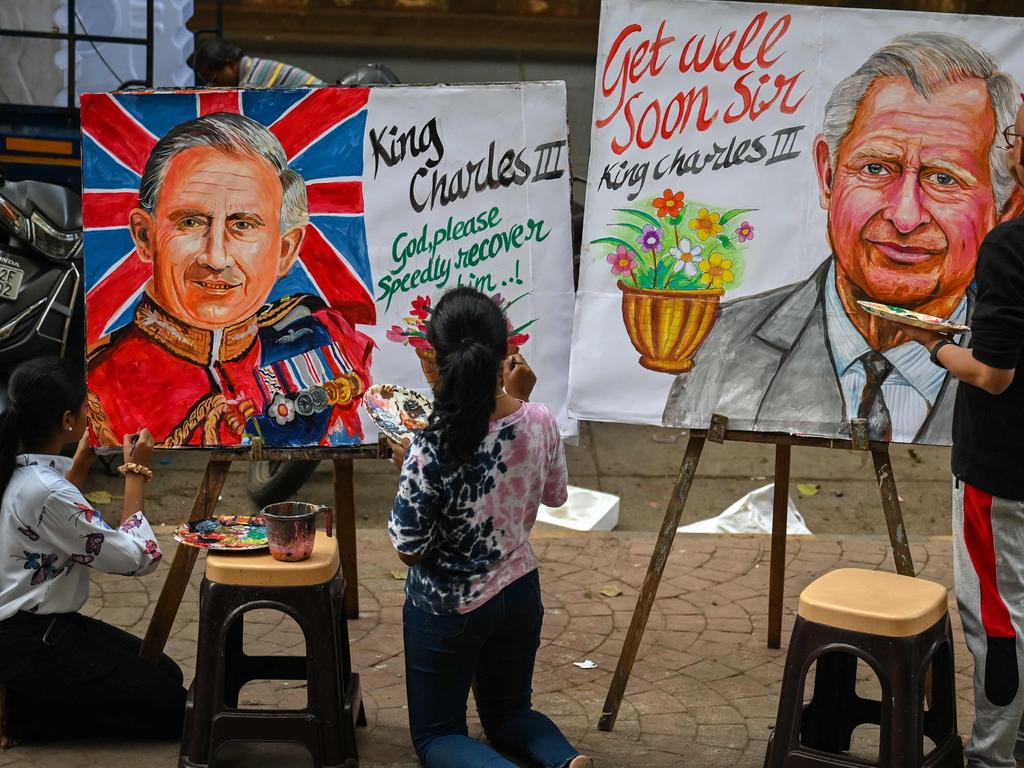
(703, 691)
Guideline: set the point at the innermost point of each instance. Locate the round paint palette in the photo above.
(910, 317)
(224, 532)
(398, 412)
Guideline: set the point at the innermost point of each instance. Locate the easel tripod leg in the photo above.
(184, 561)
(891, 508)
(780, 520)
(642, 611)
(345, 523)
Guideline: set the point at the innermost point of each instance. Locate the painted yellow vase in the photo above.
(428, 362)
(668, 327)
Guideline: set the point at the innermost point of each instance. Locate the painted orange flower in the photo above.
(706, 224)
(716, 271)
(670, 204)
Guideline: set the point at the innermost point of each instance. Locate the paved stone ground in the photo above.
(703, 692)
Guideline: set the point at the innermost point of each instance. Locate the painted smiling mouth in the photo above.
(906, 254)
(215, 285)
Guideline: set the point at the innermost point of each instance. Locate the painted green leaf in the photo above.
(680, 282)
(644, 276)
(522, 327)
(675, 221)
(641, 214)
(665, 266)
(729, 215)
(627, 225)
(614, 241)
(517, 298)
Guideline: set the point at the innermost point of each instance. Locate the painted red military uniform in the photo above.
(194, 387)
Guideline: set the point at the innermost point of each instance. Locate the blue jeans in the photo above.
(496, 643)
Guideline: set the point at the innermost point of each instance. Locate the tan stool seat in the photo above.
(873, 602)
(262, 570)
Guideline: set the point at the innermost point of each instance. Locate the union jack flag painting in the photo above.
(321, 131)
(225, 237)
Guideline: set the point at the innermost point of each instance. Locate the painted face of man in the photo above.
(910, 198)
(215, 238)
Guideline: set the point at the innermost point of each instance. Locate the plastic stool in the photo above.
(900, 627)
(311, 593)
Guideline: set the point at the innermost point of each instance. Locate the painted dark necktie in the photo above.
(872, 404)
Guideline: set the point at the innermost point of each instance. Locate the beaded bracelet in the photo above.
(136, 469)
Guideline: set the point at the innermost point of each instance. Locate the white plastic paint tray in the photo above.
(585, 510)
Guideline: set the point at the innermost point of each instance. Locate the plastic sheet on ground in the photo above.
(750, 514)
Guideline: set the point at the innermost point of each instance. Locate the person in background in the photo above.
(222, 63)
(65, 675)
(988, 469)
(470, 487)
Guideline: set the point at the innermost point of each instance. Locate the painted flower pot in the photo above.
(428, 362)
(668, 327)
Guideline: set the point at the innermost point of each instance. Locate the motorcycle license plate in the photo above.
(10, 282)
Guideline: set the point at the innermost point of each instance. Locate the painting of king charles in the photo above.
(912, 173)
(206, 360)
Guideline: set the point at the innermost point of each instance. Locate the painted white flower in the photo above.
(688, 256)
(281, 410)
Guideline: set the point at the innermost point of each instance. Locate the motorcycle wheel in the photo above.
(269, 482)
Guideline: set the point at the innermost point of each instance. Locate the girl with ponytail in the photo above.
(468, 496)
(56, 664)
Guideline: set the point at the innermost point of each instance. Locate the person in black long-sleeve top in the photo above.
(988, 470)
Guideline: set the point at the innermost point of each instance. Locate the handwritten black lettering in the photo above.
(391, 147)
(548, 167)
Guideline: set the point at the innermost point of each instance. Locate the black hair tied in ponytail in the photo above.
(41, 391)
(468, 333)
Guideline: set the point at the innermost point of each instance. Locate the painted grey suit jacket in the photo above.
(767, 366)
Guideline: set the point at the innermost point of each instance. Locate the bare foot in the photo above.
(6, 743)
(581, 761)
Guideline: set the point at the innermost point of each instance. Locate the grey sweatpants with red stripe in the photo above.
(988, 569)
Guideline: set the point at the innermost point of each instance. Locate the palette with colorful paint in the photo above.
(224, 532)
(910, 317)
(398, 412)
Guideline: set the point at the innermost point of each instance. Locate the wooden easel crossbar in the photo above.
(205, 504)
(718, 432)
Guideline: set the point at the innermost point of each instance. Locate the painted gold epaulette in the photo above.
(276, 312)
(98, 421)
(97, 346)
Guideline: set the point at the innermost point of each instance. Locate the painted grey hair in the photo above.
(233, 134)
(928, 60)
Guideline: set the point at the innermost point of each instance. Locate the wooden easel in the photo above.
(718, 433)
(217, 467)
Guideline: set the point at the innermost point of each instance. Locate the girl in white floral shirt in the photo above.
(55, 664)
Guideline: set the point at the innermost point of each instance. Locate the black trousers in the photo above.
(68, 676)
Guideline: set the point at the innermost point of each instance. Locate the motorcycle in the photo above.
(41, 307)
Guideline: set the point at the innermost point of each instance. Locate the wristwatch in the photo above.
(934, 354)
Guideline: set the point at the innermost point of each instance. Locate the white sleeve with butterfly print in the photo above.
(50, 538)
(79, 530)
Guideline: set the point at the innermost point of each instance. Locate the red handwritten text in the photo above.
(751, 51)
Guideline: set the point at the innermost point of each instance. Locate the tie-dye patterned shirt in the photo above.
(472, 525)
